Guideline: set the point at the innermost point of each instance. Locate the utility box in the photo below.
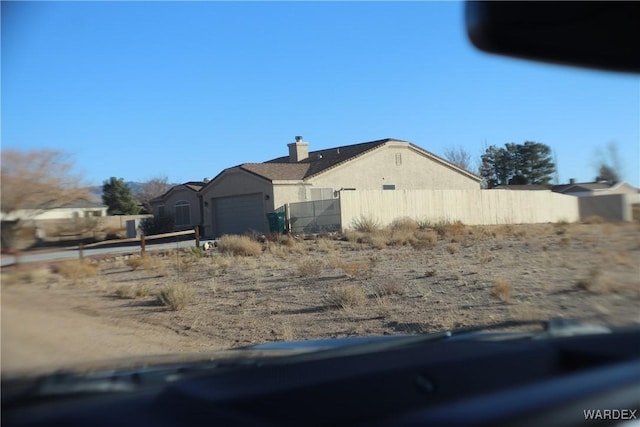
(276, 222)
(133, 228)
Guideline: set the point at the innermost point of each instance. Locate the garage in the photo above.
(239, 214)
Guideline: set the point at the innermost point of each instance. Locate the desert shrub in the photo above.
(75, 270)
(447, 229)
(309, 268)
(502, 289)
(424, 239)
(390, 288)
(176, 296)
(401, 236)
(593, 282)
(424, 224)
(365, 224)
(378, 241)
(345, 296)
(239, 245)
(132, 291)
(356, 269)
(27, 275)
(325, 245)
(196, 252)
(404, 223)
(452, 249)
(156, 225)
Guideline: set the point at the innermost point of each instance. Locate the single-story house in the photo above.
(598, 188)
(239, 198)
(182, 204)
(72, 210)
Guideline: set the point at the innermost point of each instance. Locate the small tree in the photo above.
(151, 189)
(118, 197)
(34, 181)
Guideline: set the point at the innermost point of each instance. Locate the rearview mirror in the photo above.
(602, 35)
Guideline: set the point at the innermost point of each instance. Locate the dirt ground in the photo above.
(56, 315)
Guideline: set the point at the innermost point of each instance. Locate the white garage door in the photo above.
(239, 214)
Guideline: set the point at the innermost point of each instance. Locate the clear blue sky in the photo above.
(143, 89)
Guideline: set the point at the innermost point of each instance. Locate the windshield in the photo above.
(182, 178)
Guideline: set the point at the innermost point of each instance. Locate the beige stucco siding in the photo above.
(396, 164)
(181, 194)
(232, 183)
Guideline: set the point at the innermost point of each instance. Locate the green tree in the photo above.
(517, 164)
(118, 197)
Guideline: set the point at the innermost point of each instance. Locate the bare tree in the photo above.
(459, 157)
(608, 165)
(33, 181)
(151, 189)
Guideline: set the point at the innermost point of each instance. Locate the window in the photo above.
(161, 212)
(183, 213)
(388, 186)
(321, 193)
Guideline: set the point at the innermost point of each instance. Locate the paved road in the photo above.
(74, 253)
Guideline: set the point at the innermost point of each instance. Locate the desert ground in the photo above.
(403, 279)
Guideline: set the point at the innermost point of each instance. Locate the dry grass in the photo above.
(404, 224)
(239, 246)
(176, 296)
(424, 239)
(596, 282)
(132, 291)
(365, 224)
(76, 271)
(594, 219)
(390, 288)
(345, 296)
(309, 268)
(357, 269)
(502, 289)
(28, 275)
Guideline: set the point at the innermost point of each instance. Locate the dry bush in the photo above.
(132, 291)
(404, 223)
(357, 269)
(345, 296)
(424, 240)
(502, 289)
(365, 224)
(561, 227)
(593, 282)
(28, 275)
(176, 296)
(378, 241)
(309, 268)
(76, 270)
(390, 288)
(594, 219)
(287, 332)
(401, 237)
(239, 245)
(452, 249)
(325, 245)
(447, 229)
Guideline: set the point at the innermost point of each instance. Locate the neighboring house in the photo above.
(79, 209)
(523, 187)
(182, 204)
(238, 199)
(601, 188)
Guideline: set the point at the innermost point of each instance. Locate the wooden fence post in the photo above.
(196, 229)
(143, 245)
(81, 250)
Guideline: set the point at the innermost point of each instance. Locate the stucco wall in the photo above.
(469, 206)
(613, 207)
(178, 194)
(399, 164)
(235, 182)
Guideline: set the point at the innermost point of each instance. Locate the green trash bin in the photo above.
(276, 222)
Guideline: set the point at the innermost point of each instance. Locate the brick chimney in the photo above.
(298, 150)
